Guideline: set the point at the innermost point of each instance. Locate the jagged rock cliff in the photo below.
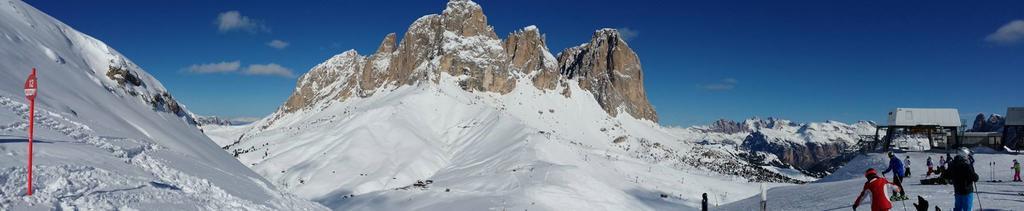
(611, 70)
(459, 42)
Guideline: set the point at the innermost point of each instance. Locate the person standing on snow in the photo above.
(1016, 170)
(907, 161)
(930, 165)
(896, 166)
(876, 186)
(704, 202)
(942, 165)
(963, 177)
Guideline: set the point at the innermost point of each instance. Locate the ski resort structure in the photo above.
(941, 127)
(1013, 130)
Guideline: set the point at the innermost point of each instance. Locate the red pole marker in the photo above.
(30, 93)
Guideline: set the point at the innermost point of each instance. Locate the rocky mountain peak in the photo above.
(466, 18)
(328, 80)
(608, 68)
(388, 44)
(459, 42)
(529, 54)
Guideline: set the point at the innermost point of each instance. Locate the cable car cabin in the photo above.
(919, 129)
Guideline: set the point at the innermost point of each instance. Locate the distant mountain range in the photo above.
(215, 120)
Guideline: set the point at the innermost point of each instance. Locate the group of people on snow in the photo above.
(958, 170)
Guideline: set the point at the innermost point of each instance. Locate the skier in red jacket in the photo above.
(877, 187)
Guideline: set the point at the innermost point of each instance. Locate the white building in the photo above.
(940, 126)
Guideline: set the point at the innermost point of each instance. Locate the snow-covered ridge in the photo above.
(109, 135)
(64, 46)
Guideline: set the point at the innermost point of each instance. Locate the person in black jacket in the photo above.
(704, 202)
(961, 174)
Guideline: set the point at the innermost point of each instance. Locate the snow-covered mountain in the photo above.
(814, 148)
(455, 118)
(109, 135)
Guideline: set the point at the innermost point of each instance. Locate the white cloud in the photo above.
(278, 44)
(234, 20)
(627, 33)
(1009, 34)
(220, 67)
(269, 69)
(725, 84)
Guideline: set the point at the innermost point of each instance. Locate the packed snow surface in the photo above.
(838, 191)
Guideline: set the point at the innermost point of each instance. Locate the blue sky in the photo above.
(703, 60)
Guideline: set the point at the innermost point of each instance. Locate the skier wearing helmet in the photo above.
(876, 186)
(896, 166)
(962, 175)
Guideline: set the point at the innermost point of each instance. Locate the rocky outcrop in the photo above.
(127, 78)
(529, 54)
(331, 80)
(374, 72)
(609, 69)
(459, 42)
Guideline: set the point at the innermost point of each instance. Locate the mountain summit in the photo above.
(453, 117)
(459, 42)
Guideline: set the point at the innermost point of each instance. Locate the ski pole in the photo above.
(977, 195)
(904, 201)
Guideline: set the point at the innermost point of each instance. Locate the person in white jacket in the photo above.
(907, 162)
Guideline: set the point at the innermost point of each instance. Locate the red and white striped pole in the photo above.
(30, 92)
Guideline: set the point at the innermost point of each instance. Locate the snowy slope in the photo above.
(224, 135)
(447, 121)
(528, 149)
(838, 191)
(114, 137)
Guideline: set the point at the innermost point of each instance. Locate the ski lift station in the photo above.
(920, 129)
(1013, 130)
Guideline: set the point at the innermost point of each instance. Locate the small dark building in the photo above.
(1013, 130)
